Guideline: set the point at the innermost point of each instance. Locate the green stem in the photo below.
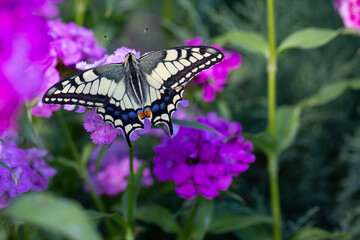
(189, 222)
(82, 171)
(80, 7)
(69, 139)
(273, 159)
(130, 227)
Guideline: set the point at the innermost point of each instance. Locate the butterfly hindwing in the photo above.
(125, 119)
(91, 88)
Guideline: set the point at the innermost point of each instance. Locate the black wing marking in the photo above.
(171, 68)
(163, 108)
(167, 71)
(125, 119)
(90, 88)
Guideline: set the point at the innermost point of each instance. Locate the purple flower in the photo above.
(214, 79)
(71, 44)
(30, 168)
(203, 162)
(113, 173)
(350, 12)
(24, 44)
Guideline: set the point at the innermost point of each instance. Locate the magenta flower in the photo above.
(113, 172)
(350, 12)
(214, 79)
(24, 44)
(71, 44)
(203, 162)
(30, 168)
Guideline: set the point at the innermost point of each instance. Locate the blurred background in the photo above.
(318, 174)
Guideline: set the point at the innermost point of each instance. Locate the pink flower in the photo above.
(71, 44)
(214, 79)
(113, 173)
(24, 44)
(350, 12)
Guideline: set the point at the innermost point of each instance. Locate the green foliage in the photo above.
(51, 213)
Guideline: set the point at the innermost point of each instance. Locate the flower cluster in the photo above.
(350, 12)
(113, 173)
(203, 162)
(31, 170)
(71, 44)
(24, 43)
(104, 133)
(214, 79)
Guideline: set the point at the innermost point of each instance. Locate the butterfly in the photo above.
(125, 94)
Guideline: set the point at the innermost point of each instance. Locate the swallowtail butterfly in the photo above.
(124, 94)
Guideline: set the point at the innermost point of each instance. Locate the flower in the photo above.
(24, 44)
(30, 168)
(71, 44)
(214, 79)
(350, 12)
(203, 162)
(113, 173)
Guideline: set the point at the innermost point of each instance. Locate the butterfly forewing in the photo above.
(91, 88)
(176, 66)
(124, 94)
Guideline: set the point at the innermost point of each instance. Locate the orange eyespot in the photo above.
(147, 112)
(141, 115)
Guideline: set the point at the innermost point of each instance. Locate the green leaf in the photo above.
(326, 94)
(263, 141)
(8, 168)
(287, 125)
(100, 156)
(250, 41)
(205, 213)
(255, 232)
(195, 125)
(231, 222)
(317, 234)
(53, 214)
(94, 215)
(308, 38)
(28, 131)
(354, 84)
(159, 216)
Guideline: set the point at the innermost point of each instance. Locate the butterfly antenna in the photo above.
(142, 35)
(121, 47)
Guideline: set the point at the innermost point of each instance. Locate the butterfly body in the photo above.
(125, 94)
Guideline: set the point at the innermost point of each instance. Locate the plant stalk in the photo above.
(82, 171)
(130, 227)
(273, 158)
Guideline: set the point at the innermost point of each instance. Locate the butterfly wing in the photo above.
(167, 71)
(90, 88)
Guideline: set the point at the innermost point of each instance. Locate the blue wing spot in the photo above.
(125, 116)
(170, 92)
(155, 108)
(116, 112)
(162, 106)
(167, 98)
(111, 109)
(132, 115)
